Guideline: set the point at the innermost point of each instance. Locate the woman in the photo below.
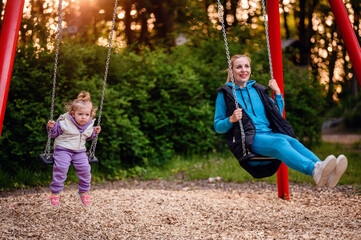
(267, 133)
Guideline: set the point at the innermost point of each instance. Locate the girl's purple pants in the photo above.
(62, 160)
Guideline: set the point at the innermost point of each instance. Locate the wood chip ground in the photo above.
(184, 210)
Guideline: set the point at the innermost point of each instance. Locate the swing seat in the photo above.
(47, 160)
(50, 160)
(255, 158)
(267, 169)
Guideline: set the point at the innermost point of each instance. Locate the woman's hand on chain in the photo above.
(236, 116)
(274, 86)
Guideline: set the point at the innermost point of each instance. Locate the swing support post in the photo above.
(8, 42)
(276, 53)
(348, 35)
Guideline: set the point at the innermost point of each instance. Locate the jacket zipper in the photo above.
(80, 140)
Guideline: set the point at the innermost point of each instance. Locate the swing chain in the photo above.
(267, 37)
(95, 140)
(58, 38)
(243, 136)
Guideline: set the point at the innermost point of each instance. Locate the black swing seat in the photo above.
(267, 169)
(255, 158)
(50, 160)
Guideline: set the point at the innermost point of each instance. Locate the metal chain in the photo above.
(243, 136)
(95, 140)
(230, 65)
(58, 38)
(267, 37)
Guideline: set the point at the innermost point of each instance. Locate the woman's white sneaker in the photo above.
(341, 165)
(323, 169)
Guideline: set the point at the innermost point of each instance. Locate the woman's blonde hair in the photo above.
(82, 99)
(234, 58)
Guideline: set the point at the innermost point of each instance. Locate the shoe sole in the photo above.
(54, 205)
(340, 169)
(330, 165)
(82, 201)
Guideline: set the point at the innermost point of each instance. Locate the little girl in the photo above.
(71, 131)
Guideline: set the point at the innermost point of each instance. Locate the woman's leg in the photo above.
(82, 167)
(62, 159)
(293, 155)
(299, 147)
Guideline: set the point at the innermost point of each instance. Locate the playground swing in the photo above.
(269, 165)
(47, 157)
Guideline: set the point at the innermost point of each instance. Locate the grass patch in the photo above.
(226, 166)
(182, 168)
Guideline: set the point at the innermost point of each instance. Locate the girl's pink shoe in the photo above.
(54, 199)
(84, 198)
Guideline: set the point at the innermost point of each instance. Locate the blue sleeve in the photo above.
(280, 103)
(221, 121)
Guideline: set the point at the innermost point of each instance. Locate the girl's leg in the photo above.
(82, 167)
(62, 159)
(279, 147)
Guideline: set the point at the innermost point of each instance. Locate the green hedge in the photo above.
(157, 103)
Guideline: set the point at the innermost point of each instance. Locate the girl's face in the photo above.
(82, 114)
(241, 71)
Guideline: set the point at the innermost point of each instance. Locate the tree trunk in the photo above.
(302, 33)
(164, 24)
(144, 34)
(38, 11)
(234, 5)
(285, 24)
(356, 5)
(331, 66)
(225, 13)
(1, 13)
(206, 5)
(128, 21)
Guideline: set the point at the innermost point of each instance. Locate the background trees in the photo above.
(151, 23)
(160, 95)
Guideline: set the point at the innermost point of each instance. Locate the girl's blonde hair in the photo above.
(234, 58)
(82, 99)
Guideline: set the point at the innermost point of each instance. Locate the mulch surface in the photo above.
(184, 210)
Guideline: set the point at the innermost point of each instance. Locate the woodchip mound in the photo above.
(184, 210)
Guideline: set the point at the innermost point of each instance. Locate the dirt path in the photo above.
(336, 135)
(188, 210)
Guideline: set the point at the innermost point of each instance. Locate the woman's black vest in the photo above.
(277, 123)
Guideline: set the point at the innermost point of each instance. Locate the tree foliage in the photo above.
(151, 23)
(157, 103)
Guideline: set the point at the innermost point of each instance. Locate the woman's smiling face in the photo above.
(241, 71)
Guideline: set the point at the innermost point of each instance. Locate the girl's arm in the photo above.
(55, 129)
(221, 121)
(96, 130)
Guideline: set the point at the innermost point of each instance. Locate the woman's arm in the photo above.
(221, 121)
(280, 103)
(278, 95)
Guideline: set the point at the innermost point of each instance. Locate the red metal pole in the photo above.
(8, 41)
(348, 35)
(274, 27)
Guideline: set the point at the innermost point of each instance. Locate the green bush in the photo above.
(351, 109)
(305, 105)
(157, 103)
